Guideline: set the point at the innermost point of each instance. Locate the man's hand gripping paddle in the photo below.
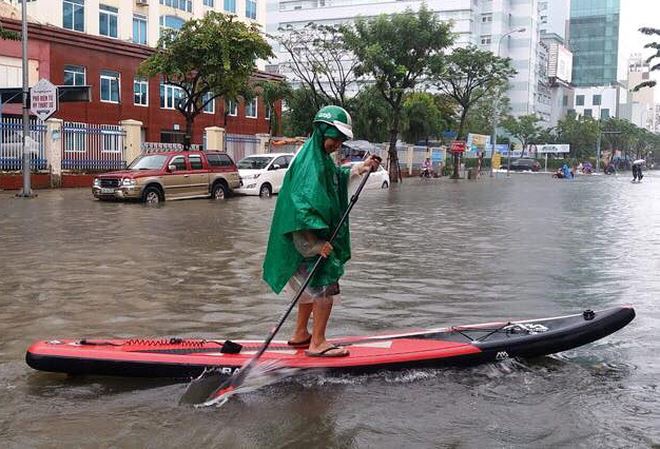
(209, 388)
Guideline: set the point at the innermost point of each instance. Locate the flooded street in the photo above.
(425, 254)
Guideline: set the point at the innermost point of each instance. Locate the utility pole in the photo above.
(493, 139)
(27, 188)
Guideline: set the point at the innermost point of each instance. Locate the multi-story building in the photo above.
(639, 106)
(484, 23)
(560, 67)
(594, 41)
(101, 44)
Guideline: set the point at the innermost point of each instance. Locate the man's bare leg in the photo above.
(322, 311)
(301, 333)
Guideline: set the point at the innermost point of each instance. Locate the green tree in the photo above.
(422, 118)
(371, 116)
(271, 93)
(299, 114)
(398, 51)
(480, 118)
(524, 128)
(655, 46)
(468, 75)
(207, 58)
(581, 133)
(319, 61)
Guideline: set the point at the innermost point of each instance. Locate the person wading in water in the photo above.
(313, 197)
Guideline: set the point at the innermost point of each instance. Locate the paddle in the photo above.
(207, 389)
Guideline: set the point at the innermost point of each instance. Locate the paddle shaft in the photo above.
(237, 378)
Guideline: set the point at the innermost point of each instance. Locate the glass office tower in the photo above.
(594, 40)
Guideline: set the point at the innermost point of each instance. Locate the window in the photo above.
(588, 113)
(208, 3)
(230, 6)
(109, 86)
(210, 107)
(267, 112)
(76, 141)
(108, 21)
(169, 95)
(139, 29)
(231, 108)
(110, 141)
(251, 9)
(179, 162)
(486, 18)
(251, 108)
(596, 100)
(564, 100)
(281, 161)
(218, 160)
(73, 15)
(171, 23)
(195, 162)
(183, 5)
(485, 39)
(604, 114)
(74, 75)
(140, 92)
(579, 100)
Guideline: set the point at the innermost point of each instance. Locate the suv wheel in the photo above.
(265, 191)
(219, 191)
(152, 195)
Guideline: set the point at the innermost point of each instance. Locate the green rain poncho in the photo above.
(313, 197)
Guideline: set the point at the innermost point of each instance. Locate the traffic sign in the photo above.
(457, 146)
(43, 99)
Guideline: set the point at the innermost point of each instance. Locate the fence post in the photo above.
(133, 139)
(215, 138)
(411, 154)
(263, 143)
(53, 150)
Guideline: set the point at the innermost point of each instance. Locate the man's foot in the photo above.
(304, 343)
(330, 351)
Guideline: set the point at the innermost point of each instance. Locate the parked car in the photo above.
(154, 177)
(380, 179)
(263, 174)
(525, 165)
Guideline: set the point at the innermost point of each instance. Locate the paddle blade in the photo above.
(201, 389)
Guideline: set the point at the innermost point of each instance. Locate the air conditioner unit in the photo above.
(142, 2)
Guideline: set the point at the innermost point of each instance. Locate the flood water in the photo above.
(425, 254)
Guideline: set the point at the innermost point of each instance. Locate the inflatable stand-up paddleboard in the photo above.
(185, 358)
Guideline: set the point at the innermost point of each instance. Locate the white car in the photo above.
(380, 179)
(262, 174)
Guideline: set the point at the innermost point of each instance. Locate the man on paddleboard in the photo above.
(313, 197)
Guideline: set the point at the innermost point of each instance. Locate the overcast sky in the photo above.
(634, 15)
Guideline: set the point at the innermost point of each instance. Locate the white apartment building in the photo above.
(560, 68)
(137, 21)
(484, 23)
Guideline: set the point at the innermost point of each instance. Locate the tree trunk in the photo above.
(461, 127)
(394, 168)
(187, 138)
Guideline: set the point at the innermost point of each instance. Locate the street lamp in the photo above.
(493, 139)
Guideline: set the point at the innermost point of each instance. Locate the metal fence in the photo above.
(238, 146)
(92, 147)
(11, 144)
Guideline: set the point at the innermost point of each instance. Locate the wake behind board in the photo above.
(183, 359)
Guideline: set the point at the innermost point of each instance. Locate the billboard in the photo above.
(553, 148)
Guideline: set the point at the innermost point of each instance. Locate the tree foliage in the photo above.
(656, 47)
(271, 93)
(207, 58)
(9, 35)
(319, 61)
(422, 119)
(524, 128)
(299, 113)
(469, 75)
(397, 52)
(580, 132)
(372, 116)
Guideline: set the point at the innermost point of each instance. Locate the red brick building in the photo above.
(109, 66)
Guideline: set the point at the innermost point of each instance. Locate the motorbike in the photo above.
(426, 173)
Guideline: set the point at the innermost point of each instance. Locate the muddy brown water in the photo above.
(424, 254)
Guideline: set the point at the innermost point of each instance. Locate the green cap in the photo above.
(336, 116)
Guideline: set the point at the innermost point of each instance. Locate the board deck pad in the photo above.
(183, 358)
